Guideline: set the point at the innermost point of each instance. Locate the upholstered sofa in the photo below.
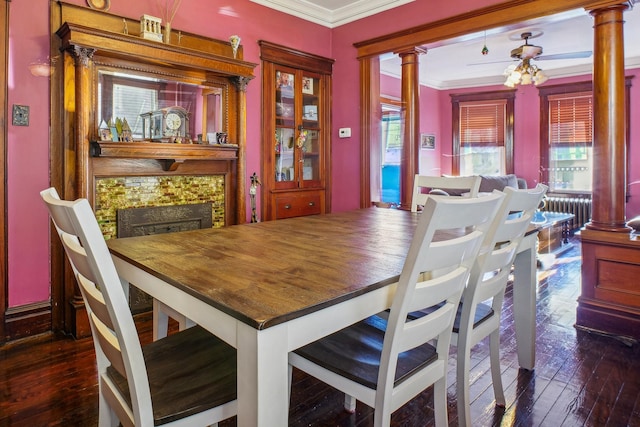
(489, 183)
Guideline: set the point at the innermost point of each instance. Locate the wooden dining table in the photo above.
(268, 288)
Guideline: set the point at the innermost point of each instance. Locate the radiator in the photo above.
(580, 207)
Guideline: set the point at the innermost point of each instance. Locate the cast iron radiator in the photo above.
(579, 206)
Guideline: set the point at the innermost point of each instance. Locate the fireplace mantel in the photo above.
(93, 44)
(169, 155)
(93, 41)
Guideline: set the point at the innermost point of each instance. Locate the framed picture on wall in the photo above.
(427, 141)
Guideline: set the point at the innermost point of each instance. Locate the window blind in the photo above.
(571, 118)
(482, 122)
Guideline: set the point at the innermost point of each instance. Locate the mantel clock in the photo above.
(165, 124)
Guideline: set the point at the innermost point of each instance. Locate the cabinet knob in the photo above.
(311, 204)
(287, 206)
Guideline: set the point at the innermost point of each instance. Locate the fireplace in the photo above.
(156, 220)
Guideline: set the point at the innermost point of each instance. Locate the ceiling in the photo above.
(459, 63)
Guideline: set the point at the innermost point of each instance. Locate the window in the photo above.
(483, 133)
(570, 156)
(566, 136)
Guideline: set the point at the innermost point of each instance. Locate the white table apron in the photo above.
(263, 390)
(263, 398)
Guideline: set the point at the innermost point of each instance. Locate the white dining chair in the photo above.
(386, 365)
(185, 379)
(424, 186)
(481, 304)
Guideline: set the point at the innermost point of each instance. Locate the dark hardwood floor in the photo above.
(581, 379)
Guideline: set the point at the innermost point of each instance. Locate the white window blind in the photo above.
(571, 118)
(482, 123)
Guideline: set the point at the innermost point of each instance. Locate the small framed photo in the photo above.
(427, 141)
(307, 85)
(284, 82)
(105, 134)
(311, 112)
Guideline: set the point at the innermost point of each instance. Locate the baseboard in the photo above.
(610, 320)
(27, 320)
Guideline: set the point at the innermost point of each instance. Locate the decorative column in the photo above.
(75, 312)
(83, 107)
(411, 123)
(610, 169)
(241, 204)
(609, 302)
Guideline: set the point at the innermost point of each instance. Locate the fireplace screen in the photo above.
(156, 220)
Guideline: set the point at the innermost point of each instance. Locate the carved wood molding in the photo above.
(506, 13)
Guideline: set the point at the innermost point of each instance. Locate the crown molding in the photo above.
(331, 18)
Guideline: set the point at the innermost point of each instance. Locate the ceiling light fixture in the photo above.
(524, 73)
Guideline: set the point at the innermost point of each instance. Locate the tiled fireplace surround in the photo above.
(125, 192)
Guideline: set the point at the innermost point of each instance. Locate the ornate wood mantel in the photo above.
(89, 40)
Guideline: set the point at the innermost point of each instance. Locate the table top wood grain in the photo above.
(267, 273)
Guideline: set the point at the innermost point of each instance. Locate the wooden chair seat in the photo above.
(189, 372)
(355, 353)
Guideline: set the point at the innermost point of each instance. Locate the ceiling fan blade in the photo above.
(503, 61)
(568, 55)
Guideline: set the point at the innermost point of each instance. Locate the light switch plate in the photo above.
(20, 115)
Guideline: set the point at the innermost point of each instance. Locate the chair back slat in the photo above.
(429, 293)
(423, 184)
(431, 326)
(109, 345)
(78, 258)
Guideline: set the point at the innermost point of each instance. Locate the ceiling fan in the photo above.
(529, 51)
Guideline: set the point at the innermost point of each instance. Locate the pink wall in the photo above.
(28, 154)
(27, 151)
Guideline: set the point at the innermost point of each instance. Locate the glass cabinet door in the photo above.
(284, 155)
(285, 131)
(310, 130)
(297, 145)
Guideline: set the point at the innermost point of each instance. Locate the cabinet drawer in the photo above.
(290, 206)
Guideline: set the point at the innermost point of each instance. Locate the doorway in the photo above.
(390, 152)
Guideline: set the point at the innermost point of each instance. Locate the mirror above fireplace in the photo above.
(138, 98)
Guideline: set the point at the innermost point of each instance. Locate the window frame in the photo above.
(564, 89)
(501, 96)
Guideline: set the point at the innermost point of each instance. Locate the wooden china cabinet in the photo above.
(296, 94)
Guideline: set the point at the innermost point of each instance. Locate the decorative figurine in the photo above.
(235, 42)
(255, 182)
